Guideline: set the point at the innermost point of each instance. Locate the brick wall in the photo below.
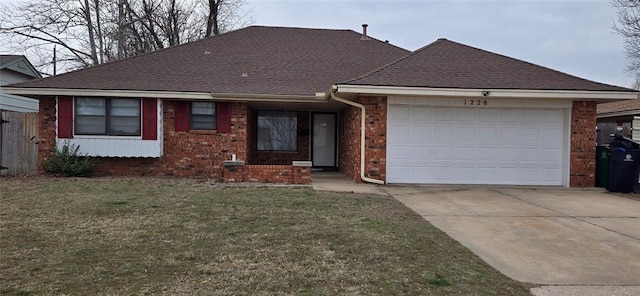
(186, 154)
(583, 141)
(201, 153)
(349, 143)
(46, 130)
(375, 139)
(279, 157)
(280, 174)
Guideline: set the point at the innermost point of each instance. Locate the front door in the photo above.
(324, 140)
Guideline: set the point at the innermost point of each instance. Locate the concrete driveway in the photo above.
(563, 239)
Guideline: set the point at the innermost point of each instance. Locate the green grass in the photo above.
(188, 237)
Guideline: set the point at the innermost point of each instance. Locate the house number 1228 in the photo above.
(476, 103)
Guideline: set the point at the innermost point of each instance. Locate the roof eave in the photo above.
(619, 113)
(604, 96)
(163, 94)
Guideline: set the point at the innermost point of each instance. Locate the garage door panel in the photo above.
(465, 133)
(397, 153)
(442, 153)
(488, 116)
(419, 152)
(421, 133)
(441, 115)
(399, 133)
(399, 112)
(443, 133)
(475, 146)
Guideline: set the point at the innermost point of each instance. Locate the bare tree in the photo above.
(93, 32)
(628, 26)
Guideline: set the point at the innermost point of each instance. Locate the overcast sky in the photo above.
(574, 37)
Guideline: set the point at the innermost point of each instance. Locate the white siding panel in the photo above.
(114, 147)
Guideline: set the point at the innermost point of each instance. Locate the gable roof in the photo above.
(253, 60)
(5, 59)
(448, 64)
(20, 64)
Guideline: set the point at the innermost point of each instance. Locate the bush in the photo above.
(66, 162)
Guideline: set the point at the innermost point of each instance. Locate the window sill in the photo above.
(107, 137)
(203, 132)
(278, 151)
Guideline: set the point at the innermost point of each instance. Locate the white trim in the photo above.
(489, 93)
(566, 180)
(485, 102)
(163, 94)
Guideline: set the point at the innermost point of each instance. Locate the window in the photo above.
(107, 116)
(277, 131)
(203, 115)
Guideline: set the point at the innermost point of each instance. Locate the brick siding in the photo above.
(583, 140)
(280, 174)
(375, 139)
(46, 130)
(186, 154)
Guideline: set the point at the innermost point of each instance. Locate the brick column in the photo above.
(233, 171)
(582, 172)
(301, 172)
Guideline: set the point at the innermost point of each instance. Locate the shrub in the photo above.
(66, 162)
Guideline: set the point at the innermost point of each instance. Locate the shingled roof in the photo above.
(274, 60)
(448, 64)
(620, 106)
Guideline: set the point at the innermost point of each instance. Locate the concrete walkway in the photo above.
(572, 242)
(337, 182)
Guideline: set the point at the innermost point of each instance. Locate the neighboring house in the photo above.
(272, 97)
(18, 121)
(621, 118)
(13, 69)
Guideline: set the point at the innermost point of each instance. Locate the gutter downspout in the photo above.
(334, 89)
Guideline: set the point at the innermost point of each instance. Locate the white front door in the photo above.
(324, 140)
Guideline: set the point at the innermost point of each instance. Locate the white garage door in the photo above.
(452, 145)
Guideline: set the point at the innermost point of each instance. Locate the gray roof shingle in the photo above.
(448, 64)
(277, 60)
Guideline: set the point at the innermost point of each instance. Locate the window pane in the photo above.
(125, 107)
(277, 131)
(203, 115)
(124, 117)
(204, 108)
(91, 125)
(124, 126)
(91, 116)
(91, 106)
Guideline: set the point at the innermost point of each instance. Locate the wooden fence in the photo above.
(18, 143)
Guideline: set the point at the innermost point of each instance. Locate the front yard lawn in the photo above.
(188, 237)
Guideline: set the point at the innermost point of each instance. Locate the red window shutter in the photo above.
(65, 117)
(182, 113)
(223, 117)
(149, 119)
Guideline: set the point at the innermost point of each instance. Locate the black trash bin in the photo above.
(602, 166)
(624, 165)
